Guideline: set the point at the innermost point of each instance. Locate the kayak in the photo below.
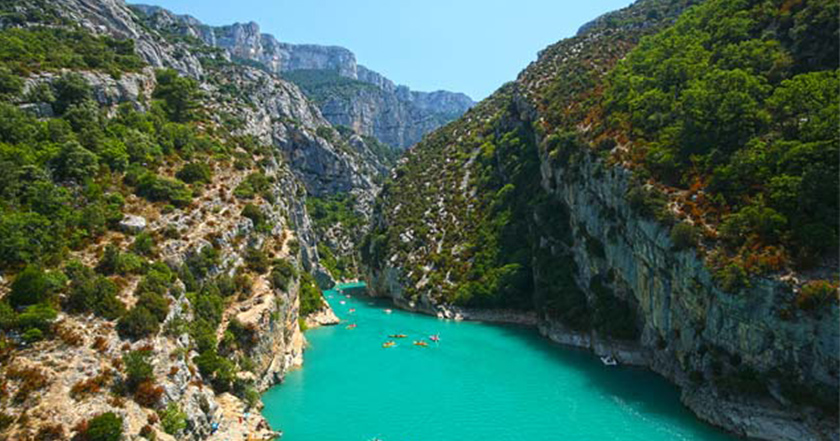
(389, 344)
(353, 326)
(421, 343)
(434, 338)
(397, 336)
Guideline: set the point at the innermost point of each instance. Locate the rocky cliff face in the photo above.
(599, 274)
(393, 114)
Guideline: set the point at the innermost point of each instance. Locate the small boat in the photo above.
(388, 311)
(608, 360)
(352, 310)
(397, 336)
(351, 326)
(420, 343)
(348, 296)
(389, 344)
(342, 302)
(435, 338)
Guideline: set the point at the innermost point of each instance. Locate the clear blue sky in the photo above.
(470, 46)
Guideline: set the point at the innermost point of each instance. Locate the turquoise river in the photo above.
(481, 382)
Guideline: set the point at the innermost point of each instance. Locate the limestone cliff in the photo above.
(395, 115)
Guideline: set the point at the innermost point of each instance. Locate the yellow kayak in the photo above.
(389, 344)
(420, 343)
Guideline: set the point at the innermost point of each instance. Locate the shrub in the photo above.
(648, 202)
(209, 305)
(195, 172)
(816, 295)
(138, 323)
(148, 394)
(158, 279)
(733, 278)
(256, 215)
(109, 260)
(219, 370)
(38, 317)
(28, 238)
(256, 260)
(144, 244)
(138, 369)
(32, 335)
(172, 419)
(129, 263)
(244, 190)
(8, 317)
(281, 274)
(50, 432)
(11, 86)
(311, 299)
(156, 188)
(155, 303)
(683, 235)
(75, 162)
(94, 293)
(33, 285)
(104, 427)
(200, 263)
(255, 183)
(71, 88)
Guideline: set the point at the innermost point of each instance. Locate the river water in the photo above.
(482, 382)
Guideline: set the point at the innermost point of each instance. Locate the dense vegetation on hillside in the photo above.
(70, 169)
(738, 105)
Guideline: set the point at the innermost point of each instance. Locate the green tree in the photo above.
(179, 94)
(31, 286)
(90, 292)
(71, 88)
(75, 162)
(11, 85)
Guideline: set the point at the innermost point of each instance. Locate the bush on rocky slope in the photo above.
(737, 104)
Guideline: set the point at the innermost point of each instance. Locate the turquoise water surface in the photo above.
(481, 382)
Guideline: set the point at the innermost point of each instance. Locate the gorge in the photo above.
(660, 190)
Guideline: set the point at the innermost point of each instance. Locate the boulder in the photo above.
(133, 224)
